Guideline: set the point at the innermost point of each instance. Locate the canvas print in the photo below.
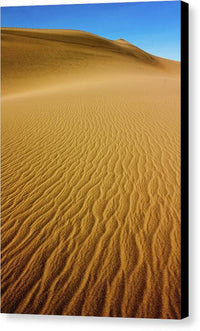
(92, 186)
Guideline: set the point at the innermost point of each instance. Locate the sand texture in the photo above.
(90, 177)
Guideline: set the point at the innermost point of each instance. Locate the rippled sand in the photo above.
(90, 177)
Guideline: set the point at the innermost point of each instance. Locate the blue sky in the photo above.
(152, 26)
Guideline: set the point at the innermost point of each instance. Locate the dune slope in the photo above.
(90, 177)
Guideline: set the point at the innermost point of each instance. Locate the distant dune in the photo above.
(90, 176)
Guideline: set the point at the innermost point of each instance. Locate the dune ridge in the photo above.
(90, 177)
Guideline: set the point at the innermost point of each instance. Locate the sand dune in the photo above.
(90, 177)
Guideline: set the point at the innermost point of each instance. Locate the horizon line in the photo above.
(162, 57)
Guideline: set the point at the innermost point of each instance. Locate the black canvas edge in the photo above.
(184, 160)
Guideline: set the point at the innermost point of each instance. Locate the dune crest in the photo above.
(90, 177)
(52, 57)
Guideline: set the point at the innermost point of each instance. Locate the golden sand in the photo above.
(90, 177)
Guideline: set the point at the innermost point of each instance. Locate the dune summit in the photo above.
(90, 177)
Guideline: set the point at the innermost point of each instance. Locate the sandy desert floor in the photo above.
(90, 177)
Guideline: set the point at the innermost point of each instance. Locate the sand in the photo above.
(90, 177)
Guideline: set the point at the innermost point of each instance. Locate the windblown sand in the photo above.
(90, 177)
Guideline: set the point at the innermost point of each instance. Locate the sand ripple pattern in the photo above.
(91, 199)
